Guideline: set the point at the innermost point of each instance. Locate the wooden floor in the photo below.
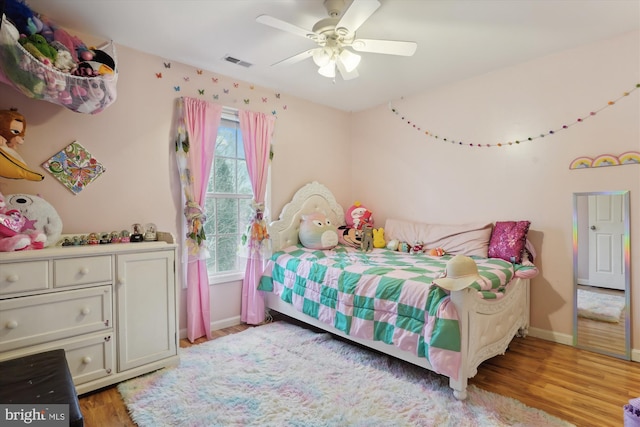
(584, 388)
(605, 336)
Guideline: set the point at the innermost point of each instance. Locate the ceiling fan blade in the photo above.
(346, 75)
(296, 58)
(389, 47)
(357, 14)
(284, 26)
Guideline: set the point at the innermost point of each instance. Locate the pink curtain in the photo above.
(197, 129)
(257, 129)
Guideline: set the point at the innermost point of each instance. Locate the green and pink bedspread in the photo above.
(384, 295)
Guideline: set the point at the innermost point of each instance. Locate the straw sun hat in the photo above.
(461, 272)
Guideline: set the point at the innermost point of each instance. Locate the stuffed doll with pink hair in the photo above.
(17, 232)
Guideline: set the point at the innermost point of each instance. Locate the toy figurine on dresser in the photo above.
(138, 233)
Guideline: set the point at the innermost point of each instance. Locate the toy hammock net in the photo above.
(36, 79)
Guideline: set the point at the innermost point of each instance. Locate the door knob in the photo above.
(593, 227)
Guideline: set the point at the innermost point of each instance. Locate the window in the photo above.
(228, 203)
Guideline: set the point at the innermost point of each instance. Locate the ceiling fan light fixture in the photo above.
(349, 59)
(322, 56)
(328, 70)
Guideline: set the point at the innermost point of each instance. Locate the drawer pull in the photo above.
(84, 271)
(12, 278)
(86, 360)
(12, 324)
(85, 311)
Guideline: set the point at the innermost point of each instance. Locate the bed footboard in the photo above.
(487, 327)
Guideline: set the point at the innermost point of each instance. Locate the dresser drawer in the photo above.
(81, 271)
(38, 319)
(17, 277)
(90, 357)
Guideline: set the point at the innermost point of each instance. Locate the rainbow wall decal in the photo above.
(628, 158)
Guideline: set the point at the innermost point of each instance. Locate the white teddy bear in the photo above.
(39, 210)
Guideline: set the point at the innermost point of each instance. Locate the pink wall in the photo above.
(402, 173)
(372, 156)
(134, 141)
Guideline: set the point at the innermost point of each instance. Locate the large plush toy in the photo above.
(13, 126)
(41, 213)
(357, 216)
(17, 232)
(317, 231)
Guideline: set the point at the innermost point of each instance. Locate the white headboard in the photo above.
(313, 197)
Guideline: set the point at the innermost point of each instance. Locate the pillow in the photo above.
(317, 231)
(508, 240)
(455, 239)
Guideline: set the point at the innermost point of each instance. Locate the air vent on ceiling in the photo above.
(237, 61)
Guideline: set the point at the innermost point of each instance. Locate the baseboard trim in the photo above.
(568, 340)
(219, 324)
(551, 336)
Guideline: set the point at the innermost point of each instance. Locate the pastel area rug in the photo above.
(600, 306)
(284, 375)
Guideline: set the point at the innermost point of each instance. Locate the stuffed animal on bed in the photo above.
(317, 231)
(367, 238)
(349, 236)
(378, 238)
(357, 216)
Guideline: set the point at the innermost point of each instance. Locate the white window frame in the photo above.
(229, 114)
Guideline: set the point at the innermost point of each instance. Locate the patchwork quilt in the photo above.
(384, 295)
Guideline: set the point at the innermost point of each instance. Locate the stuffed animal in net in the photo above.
(42, 214)
(317, 231)
(13, 126)
(17, 232)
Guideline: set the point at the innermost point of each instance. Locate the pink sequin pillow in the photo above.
(508, 239)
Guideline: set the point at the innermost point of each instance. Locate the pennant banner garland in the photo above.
(518, 141)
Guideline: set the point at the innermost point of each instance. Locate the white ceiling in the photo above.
(457, 39)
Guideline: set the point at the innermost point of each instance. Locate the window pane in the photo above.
(211, 261)
(225, 175)
(240, 146)
(244, 183)
(226, 142)
(245, 213)
(209, 211)
(227, 247)
(227, 215)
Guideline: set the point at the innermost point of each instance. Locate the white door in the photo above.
(606, 231)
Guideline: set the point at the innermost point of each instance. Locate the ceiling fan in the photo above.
(336, 35)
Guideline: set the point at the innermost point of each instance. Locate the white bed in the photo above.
(486, 326)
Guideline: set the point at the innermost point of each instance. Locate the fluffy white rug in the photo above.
(600, 306)
(284, 375)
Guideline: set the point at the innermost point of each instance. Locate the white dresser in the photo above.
(111, 307)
